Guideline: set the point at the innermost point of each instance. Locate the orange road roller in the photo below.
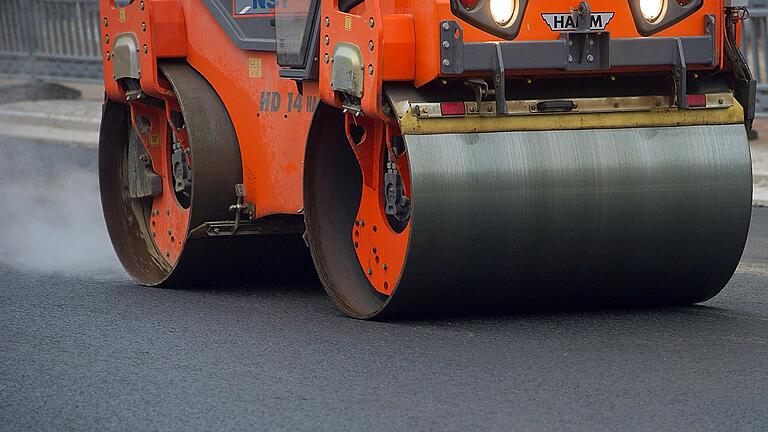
(432, 156)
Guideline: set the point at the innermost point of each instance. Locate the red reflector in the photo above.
(452, 108)
(697, 100)
(468, 4)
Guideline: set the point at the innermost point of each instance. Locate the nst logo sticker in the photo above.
(566, 21)
(258, 7)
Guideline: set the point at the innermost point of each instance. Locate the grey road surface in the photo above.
(84, 348)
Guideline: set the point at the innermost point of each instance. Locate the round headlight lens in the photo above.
(502, 11)
(651, 9)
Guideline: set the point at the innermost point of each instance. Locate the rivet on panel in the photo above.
(146, 50)
(106, 22)
(371, 22)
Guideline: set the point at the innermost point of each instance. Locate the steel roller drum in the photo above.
(573, 218)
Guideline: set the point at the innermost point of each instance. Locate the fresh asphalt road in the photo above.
(84, 348)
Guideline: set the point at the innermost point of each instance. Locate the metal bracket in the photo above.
(500, 82)
(182, 171)
(347, 69)
(680, 76)
(268, 226)
(239, 207)
(709, 30)
(143, 182)
(397, 204)
(480, 87)
(587, 50)
(451, 47)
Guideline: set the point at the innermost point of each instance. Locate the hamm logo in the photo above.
(566, 22)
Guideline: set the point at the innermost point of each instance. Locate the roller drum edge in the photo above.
(579, 218)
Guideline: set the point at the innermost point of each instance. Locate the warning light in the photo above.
(452, 108)
(697, 101)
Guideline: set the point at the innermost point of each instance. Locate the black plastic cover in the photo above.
(673, 13)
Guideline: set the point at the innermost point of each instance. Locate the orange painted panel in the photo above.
(270, 116)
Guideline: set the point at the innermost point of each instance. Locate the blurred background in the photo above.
(50, 107)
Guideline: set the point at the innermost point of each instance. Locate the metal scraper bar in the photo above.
(577, 105)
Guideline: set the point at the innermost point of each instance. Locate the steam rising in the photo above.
(50, 212)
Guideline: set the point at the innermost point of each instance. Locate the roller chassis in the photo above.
(375, 155)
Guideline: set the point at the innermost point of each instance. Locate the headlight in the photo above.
(652, 9)
(501, 18)
(502, 11)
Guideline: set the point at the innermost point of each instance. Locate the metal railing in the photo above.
(755, 48)
(50, 39)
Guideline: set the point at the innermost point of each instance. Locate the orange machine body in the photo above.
(399, 40)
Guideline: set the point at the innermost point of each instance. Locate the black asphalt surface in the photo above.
(84, 348)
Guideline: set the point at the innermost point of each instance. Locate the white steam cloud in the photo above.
(50, 212)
